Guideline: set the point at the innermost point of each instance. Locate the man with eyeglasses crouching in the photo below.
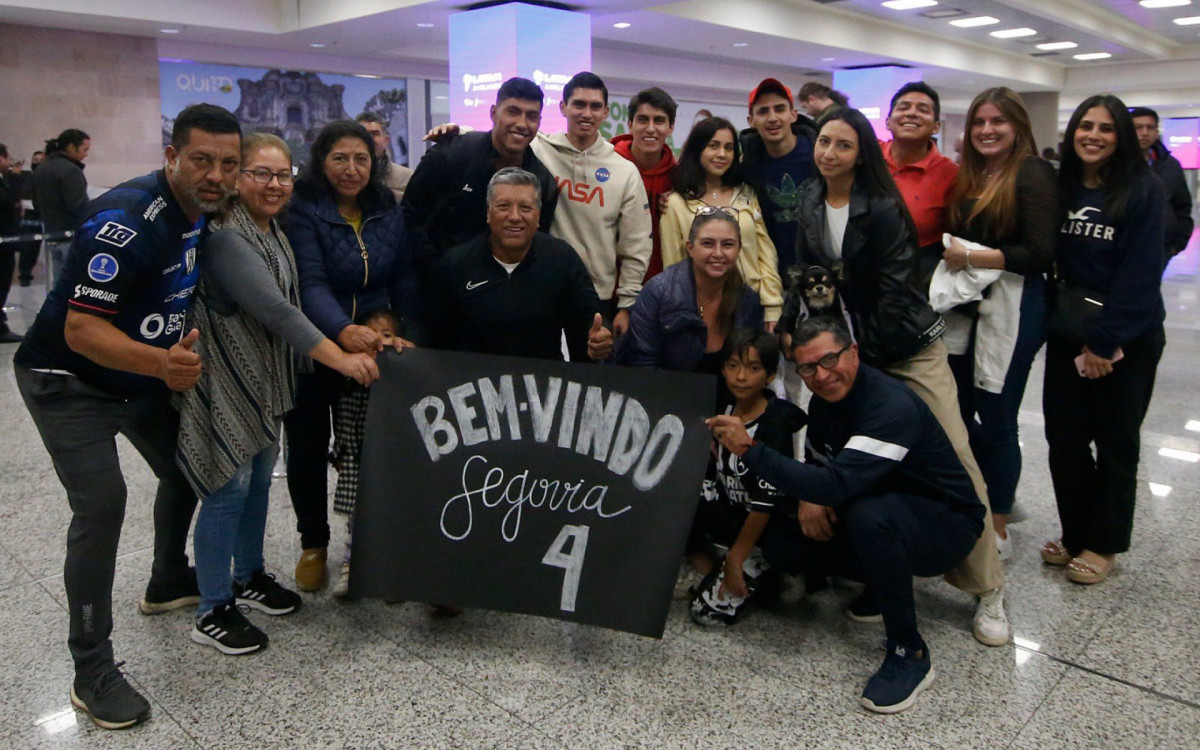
(883, 497)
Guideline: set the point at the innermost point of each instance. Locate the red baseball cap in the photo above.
(771, 86)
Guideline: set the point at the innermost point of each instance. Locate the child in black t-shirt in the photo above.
(736, 505)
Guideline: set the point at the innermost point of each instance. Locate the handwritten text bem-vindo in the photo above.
(606, 425)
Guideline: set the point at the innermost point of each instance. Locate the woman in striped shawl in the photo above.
(253, 338)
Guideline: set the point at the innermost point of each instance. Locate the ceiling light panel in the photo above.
(1014, 33)
(970, 23)
(908, 4)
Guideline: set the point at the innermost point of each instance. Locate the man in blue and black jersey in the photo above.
(102, 357)
(883, 498)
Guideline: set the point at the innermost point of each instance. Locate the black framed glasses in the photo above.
(829, 361)
(263, 176)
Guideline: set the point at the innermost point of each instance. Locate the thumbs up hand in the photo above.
(600, 339)
(182, 367)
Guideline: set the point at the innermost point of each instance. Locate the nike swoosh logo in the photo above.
(474, 284)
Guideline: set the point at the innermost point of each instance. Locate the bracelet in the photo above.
(969, 258)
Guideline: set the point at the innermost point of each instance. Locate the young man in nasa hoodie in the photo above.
(602, 208)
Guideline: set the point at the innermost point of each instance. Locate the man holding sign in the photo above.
(514, 290)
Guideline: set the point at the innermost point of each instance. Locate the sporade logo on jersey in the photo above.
(87, 291)
(115, 234)
(102, 268)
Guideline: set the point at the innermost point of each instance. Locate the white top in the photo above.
(510, 267)
(835, 222)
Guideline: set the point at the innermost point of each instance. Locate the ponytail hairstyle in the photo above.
(997, 203)
(69, 137)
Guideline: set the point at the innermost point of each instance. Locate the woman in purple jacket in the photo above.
(348, 236)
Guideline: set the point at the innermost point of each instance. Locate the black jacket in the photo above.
(753, 150)
(477, 306)
(445, 203)
(60, 192)
(892, 319)
(1179, 201)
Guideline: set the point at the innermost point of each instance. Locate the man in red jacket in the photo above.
(651, 122)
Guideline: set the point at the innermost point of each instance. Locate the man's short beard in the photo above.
(191, 195)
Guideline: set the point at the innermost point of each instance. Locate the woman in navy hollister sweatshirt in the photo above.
(1110, 245)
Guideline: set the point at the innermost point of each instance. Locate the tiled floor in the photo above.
(1111, 666)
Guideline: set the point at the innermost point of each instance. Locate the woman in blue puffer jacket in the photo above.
(682, 316)
(348, 236)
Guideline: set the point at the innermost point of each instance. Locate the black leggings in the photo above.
(307, 428)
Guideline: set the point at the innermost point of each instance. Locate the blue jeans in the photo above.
(231, 524)
(991, 418)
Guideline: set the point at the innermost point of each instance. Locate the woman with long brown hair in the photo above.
(1004, 216)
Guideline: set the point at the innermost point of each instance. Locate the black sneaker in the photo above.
(863, 608)
(903, 676)
(264, 593)
(110, 700)
(227, 630)
(165, 596)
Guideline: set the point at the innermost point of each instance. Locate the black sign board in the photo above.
(547, 488)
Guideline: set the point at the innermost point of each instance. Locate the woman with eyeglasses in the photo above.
(1101, 365)
(709, 173)
(252, 338)
(852, 221)
(349, 238)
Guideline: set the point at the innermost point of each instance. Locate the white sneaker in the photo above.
(342, 587)
(686, 584)
(1004, 545)
(991, 624)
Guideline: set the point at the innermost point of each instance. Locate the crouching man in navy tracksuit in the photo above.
(884, 497)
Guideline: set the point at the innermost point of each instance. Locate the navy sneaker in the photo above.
(164, 596)
(903, 676)
(863, 608)
(110, 701)
(263, 592)
(226, 629)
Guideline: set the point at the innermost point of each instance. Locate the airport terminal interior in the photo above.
(1107, 666)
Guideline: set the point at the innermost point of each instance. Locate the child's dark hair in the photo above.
(388, 315)
(743, 339)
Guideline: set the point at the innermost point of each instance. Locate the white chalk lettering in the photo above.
(647, 475)
(631, 438)
(566, 425)
(542, 411)
(598, 422)
(517, 492)
(431, 429)
(465, 415)
(500, 402)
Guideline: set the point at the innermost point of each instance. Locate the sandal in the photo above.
(1055, 553)
(1082, 571)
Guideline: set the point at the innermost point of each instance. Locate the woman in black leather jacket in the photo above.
(852, 221)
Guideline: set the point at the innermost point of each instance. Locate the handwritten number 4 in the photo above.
(571, 563)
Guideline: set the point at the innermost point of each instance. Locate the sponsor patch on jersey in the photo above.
(152, 210)
(602, 174)
(115, 234)
(102, 268)
(100, 294)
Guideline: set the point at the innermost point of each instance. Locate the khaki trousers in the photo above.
(927, 374)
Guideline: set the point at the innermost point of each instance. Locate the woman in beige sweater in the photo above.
(709, 173)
